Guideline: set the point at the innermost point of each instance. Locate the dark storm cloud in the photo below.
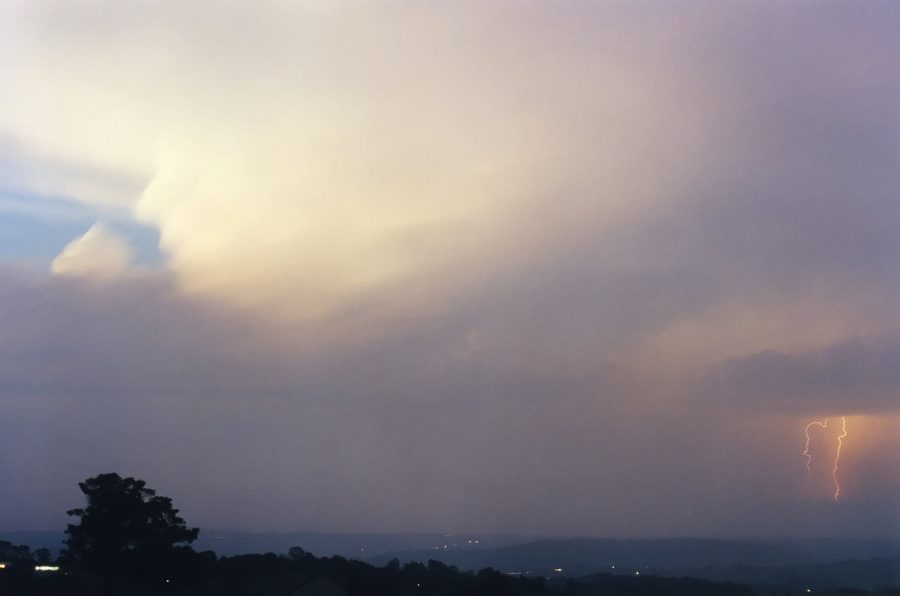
(81, 337)
(803, 153)
(125, 374)
(853, 376)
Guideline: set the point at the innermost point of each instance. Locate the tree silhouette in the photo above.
(125, 529)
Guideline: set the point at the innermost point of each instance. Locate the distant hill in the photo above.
(781, 562)
(593, 555)
(351, 545)
(362, 546)
(35, 540)
(871, 574)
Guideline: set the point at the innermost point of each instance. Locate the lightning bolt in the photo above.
(823, 424)
(806, 454)
(837, 457)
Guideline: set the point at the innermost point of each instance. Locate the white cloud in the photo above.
(98, 253)
(300, 160)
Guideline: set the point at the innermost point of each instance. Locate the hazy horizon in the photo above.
(606, 268)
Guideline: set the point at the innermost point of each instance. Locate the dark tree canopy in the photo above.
(125, 528)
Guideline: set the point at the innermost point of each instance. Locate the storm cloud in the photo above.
(856, 375)
(509, 267)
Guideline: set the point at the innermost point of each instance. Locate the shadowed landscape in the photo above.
(128, 540)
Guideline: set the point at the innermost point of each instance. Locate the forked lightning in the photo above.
(823, 424)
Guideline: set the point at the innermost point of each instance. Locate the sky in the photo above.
(578, 268)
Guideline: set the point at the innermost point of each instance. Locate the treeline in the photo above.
(301, 573)
(205, 574)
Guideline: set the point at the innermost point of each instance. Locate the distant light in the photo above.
(612, 566)
(476, 542)
(2, 565)
(46, 568)
(557, 569)
(637, 572)
(808, 590)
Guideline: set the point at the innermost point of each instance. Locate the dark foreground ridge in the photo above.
(299, 573)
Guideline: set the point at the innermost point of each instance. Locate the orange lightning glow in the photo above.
(806, 454)
(837, 457)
